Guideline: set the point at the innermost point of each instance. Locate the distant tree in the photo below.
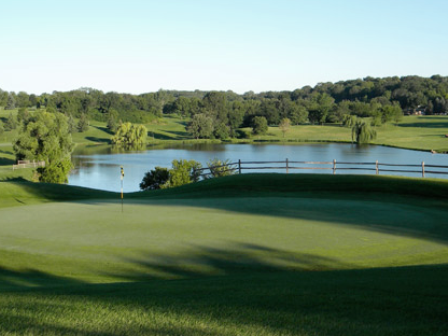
(129, 134)
(321, 105)
(46, 137)
(11, 122)
(23, 115)
(260, 126)
(155, 179)
(285, 126)
(11, 102)
(349, 120)
(376, 120)
(112, 123)
(298, 115)
(221, 131)
(71, 124)
(391, 113)
(201, 126)
(83, 123)
(362, 133)
(22, 100)
(215, 106)
(2, 128)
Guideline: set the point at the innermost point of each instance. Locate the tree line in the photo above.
(219, 114)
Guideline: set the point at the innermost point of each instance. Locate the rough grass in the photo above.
(260, 254)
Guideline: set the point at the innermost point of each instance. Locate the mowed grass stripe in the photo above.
(246, 255)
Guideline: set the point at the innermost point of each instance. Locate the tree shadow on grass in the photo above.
(237, 258)
(272, 300)
(169, 135)
(6, 161)
(12, 280)
(98, 140)
(104, 129)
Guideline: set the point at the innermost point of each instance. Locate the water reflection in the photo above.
(98, 166)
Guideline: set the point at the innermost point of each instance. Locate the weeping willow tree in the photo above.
(362, 132)
(349, 120)
(129, 134)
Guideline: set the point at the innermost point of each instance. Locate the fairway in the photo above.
(243, 258)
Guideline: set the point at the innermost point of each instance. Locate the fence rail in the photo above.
(334, 165)
(28, 164)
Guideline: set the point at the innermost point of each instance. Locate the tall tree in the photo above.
(260, 126)
(83, 123)
(45, 137)
(201, 126)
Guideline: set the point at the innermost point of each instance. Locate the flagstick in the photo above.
(122, 176)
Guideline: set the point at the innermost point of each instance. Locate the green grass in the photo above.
(413, 132)
(260, 254)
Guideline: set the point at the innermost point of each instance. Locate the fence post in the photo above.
(423, 169)
(287, 166)
(334, 167)
(239, 166)
(376, 167)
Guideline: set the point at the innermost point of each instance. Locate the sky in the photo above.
(138, 46)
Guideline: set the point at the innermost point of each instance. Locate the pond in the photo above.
(98, 167)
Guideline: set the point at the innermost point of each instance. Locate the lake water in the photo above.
(99, 166)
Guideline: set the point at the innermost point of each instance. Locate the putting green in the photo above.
(96, 241)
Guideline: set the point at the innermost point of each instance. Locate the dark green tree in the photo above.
(11, 122)
(112, 123)
(23, 115)
(221, 131)
(260, 126)
(298, 114)
(83, 123)
(45, 137)
(320, 108)
(11, 102)
(201, 126)
(155, 179)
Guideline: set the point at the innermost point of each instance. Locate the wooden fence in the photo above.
(28, 164)
(334, 166)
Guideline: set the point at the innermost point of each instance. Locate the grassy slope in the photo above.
(237, 247)
(413, 132)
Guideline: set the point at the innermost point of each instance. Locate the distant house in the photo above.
(419, 110)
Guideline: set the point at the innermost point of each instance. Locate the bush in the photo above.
(220, 168)
(155, 179)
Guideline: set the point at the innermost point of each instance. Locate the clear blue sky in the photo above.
(139, 46)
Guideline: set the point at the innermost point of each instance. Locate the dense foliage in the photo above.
(155, 179)
(45, 137)
(182, 172)
(129, 134)
(218, 114)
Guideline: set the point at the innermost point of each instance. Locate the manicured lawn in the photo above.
(261, 254)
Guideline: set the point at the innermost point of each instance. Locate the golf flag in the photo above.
(122, 172)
